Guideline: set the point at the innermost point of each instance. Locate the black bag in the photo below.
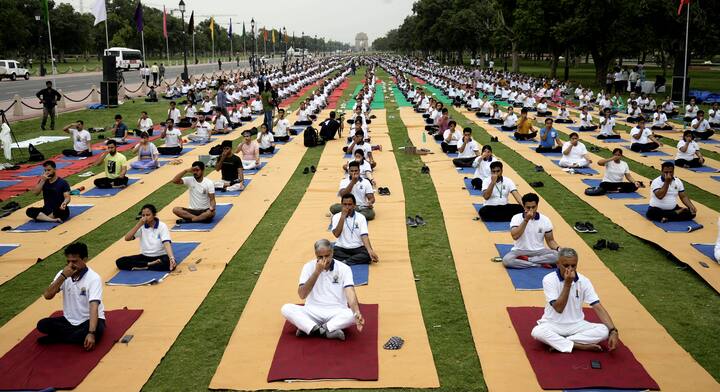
(595, 191)
(216, 150)
(35, 154)
(310, 137)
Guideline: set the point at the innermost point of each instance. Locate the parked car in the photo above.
(11, 69)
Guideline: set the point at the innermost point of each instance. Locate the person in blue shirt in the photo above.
(549, 140)
(119, 130)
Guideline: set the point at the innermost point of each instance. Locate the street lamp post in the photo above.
(254, 47)
(42, 57)
(317, 47)
(184, 75)
(285, 40)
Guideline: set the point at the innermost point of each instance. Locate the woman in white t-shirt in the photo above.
(642, 138)
(495, 115)
(365, 167)
(607, 126)
(266, 141)
(688, 152)
(563, 116)
(616, 170)
(542, 108)
(156, 253)
(574, 153)
(147, 154)
(660, 120)
(714, 116)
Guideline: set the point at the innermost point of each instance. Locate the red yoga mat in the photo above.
(31, 366)
(317, 358)
(556, 370)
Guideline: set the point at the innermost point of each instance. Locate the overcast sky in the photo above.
(338, 19)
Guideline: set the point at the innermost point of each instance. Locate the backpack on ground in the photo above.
(35, 154)
(310, 137)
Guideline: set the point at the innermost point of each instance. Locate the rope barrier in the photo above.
(30, 107)
(133, 92)
(10, 107)
(86, 97)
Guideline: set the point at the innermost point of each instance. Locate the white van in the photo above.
(125, 58)
(10, 69)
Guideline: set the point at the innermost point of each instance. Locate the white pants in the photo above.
(197, 138)
(562, 337)
(582, 162)
(305, 318)
(249, 165)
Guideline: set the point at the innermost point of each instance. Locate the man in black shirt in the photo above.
(231, 169)
(329, 127)
(56, 196)
(48, 98)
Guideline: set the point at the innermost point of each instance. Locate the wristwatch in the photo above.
(613, 330)
(91, 332)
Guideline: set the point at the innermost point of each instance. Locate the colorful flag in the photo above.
(99, 11)
(191, 23)
(265, 35)
(165, 35)
(139, 17)
(212, 29)
(682, 3)
(45, 10)
(230, 30)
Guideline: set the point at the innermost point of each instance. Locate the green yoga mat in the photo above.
(379, 99)
(351, 103)
(399, 98)
(439, 95)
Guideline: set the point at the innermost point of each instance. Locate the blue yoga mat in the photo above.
(577, 129)
(220, 211)
(547, 154)
(716, 178)
(97, 192)
(66, 158)
(271, 155)
(219, 193)
(38, 170)
(283, 142)
(185, 150)
(707, 141)
(5, 248)
(530, 141)
(633, 195)
(255, 170)
(360, 273)
(470, 189)
(146, 171)
(296, 130)
(581, 170)
(701, 169)
(181, 250)
(670, 227)
(471, 170)
(493, 226)
(611, 140)
(33, 226)
(706, 249)
(212, 139)
(7, 183)
(524, 278)
(452, 154)
(650, 153)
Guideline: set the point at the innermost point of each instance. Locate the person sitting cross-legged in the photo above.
(688, 151)
(328, 289)
(607, 126)
(156, 252)
(482, 167)
(231, 168)
(586, 123)
(173, 139)
(147, 153)
(496, 193)
(115, 165)
(450, 138)
(525, 129)
(563, 326)
(80, 138)
(468, 149)
(665, 190)
(83, 319)
(56, 196)
(281, 126)
(530, 230)
(700, 127)
(201, 191)
(203, 129)
(615, 171)
(510, 121)
(265, 140)
(361, 188)
(549, 139)
(575, 153)
(643, 139)
(563, 116)
(249, 151)
(351, 230)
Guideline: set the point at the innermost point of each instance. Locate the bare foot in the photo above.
(58, 220)
(154, 263)
(587, 347)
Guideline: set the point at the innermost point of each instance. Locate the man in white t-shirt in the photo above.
(691, 110)
(201, 191)
(173, 112)
(331, 304)
(586, 124)
(496, 192)
(688, 152)
(574, 153)
(361, 188)
(83, 319)
(144, 124)
(643, 139)
(510, 121)
(173, 139)
(202, 130)
(351, 230)
(280, 127)
(482, 167)
(468, 149)
(80, 138)
(616, 170)
(563, 326)
(328, 289)
(700, 127)
(450, 138)
(665, 191)
(221, 122)
(607, 126)
(531, 230)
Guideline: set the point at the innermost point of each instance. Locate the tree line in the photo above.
(73, 32)
(605, 30)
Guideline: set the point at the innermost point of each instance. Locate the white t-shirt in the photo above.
(533, 238)
(146, 124)
(78, 295)
(172, 137)
(581, 291)
(606, 126)
(576, 155)
(203, 129)
(615, 172)
(364, 146)
(644, 135)
(454, 135)
(329, 289)
(174, 115)
(199, 192)
(691, 150)
(510, 120)
(265, 140)
(563, 114)
(704, 125)
(585, 120)
(221, 122)
(81, 139)
(152, 239)
(355, 227)
(501, 191)
(659, 119)
(668, 202)
(482, 167)
(360, 190)
(281, 127)
(470, 149)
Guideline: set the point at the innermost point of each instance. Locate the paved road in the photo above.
(83, 82)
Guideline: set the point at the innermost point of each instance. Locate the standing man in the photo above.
(331, 304)
(563, 326)
(56, 196)
(161, 69)
(202, 195)
(268, 103)
(221, 100)
(155, 73)
(48, 98)
(83, 319)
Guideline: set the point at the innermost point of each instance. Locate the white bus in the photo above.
(125, 58)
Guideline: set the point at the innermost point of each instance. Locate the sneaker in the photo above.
(313, 169)
(537, 184)
(306, 170)
(600, 244)
(539, 169)
(337, 334)
(580, 227)
(613, 245)
(387, 191)
(425, 170)
(590, 228)
(419, 220)
(411, 222)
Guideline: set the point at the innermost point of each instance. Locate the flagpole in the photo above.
(107, 40)
(167, 48)
(52, 56)
(194, 57)
(142, 38)
(685, 70)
